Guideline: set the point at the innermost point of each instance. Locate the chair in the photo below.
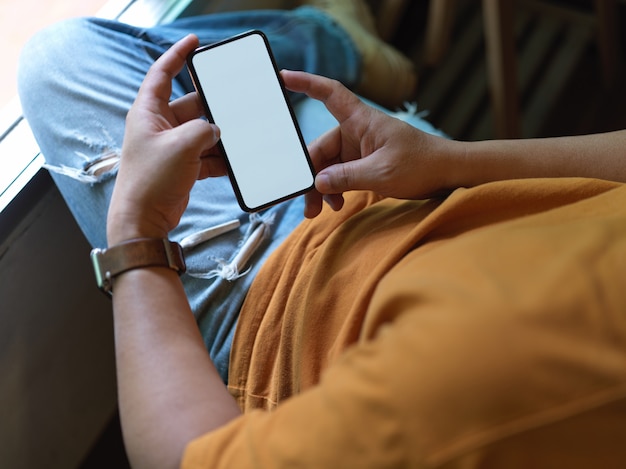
(501, 54)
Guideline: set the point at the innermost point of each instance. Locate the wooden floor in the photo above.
(561, 90)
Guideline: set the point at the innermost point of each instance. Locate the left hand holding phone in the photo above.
(166, 149)
(370, 150)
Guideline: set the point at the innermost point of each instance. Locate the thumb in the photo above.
(338, 178)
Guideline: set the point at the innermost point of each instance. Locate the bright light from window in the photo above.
(20, 19)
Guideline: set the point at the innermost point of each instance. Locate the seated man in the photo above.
(484, 328)
(77, 80)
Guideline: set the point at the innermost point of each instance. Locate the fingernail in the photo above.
(322, 181)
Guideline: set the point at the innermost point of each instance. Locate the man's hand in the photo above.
(166, 149)
(369, 150)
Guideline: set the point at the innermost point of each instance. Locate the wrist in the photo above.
(497, 160)
(476, 163)
(124, 228)
(455, 167)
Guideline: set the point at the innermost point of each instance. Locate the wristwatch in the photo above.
(134, 254)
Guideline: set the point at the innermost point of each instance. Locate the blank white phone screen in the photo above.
(264, 149)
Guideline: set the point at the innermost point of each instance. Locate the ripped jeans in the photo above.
(77, 80)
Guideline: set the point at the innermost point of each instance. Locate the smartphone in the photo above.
(240, 87)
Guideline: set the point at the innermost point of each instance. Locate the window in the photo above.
(20, 19)
(20, 159)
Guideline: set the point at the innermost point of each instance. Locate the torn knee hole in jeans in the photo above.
(93, 170)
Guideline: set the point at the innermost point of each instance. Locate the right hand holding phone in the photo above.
(370, 150)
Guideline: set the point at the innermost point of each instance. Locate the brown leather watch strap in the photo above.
(135, 254)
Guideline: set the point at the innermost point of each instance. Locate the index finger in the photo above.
(340, 101)
(158, 80)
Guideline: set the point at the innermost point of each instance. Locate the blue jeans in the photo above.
(77, 80)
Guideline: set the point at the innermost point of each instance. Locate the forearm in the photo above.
(169, 391)
(595, 156)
